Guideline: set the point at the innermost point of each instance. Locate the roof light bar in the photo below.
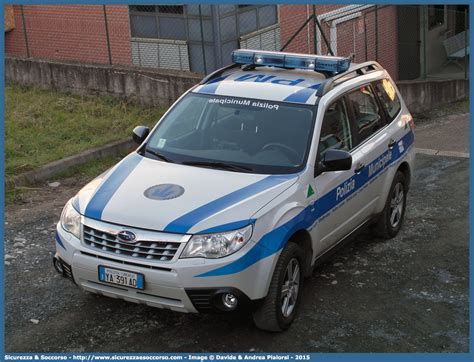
(318, 63)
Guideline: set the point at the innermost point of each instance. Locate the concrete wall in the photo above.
(149, 87)
(162, 88)
(424, 95)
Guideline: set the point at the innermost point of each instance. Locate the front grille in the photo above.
(142, 249)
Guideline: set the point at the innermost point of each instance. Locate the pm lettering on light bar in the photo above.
(318, 63)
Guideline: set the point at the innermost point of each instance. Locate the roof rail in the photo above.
(359, 69)
(218, 73)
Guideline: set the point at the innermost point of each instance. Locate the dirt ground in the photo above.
(408, 294)
(449, 133)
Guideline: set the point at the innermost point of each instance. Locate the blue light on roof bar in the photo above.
(318, 63)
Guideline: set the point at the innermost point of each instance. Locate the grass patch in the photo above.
(43, 125)
(83, 173)
(91, 169)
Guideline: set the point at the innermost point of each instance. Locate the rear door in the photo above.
(373, 145)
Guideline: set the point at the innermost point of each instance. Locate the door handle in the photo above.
(391, 143)
(359, 168)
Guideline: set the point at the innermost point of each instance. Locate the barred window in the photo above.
(164, 9)
(170, 9)
(253, 17)
(158, 21)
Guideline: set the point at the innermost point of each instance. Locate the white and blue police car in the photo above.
(247, 181)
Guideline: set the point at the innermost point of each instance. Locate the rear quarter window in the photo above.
(388, 97)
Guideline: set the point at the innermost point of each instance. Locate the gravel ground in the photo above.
(408, 294)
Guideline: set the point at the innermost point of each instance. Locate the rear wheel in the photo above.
(279, 308)
(391, 219)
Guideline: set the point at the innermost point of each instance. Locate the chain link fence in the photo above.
(411, 42)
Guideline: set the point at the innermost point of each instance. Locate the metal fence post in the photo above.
(465, 43)
(25, 32)
(366, 39)
(202, 40)
(217, 36)
(107, 35)
(376, 33)
(314, 30)
(324, 36)
(296, 33)
(424, 24)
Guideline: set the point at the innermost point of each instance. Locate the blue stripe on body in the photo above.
(211, 87)
(109, 187)
(276, 239)
(59, 241)
(303, 94)
(187, 221)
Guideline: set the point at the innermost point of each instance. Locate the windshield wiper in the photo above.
(221, 165)
(160, 156)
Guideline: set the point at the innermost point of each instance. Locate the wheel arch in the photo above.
(405, 169)
(302, 238)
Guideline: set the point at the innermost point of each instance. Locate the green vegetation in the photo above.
(43, 125)
(85, 173)
(90, 169)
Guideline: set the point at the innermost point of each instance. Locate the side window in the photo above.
(367, 115)
(389, 98)
(335, 129)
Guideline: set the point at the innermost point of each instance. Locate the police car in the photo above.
(247, 181)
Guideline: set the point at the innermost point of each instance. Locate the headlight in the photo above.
(71, 220)
(217, 245)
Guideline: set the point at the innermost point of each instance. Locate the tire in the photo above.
(270, 315)
(390, 221)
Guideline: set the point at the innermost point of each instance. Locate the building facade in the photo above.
(409, 41)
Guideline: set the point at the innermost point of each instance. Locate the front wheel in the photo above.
(391, 219)
(278, 309)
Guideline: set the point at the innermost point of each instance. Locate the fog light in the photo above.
(229, 301)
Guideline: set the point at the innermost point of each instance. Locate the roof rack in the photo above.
(358, 69)
(218, 73)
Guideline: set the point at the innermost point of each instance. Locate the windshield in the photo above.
(238, 134)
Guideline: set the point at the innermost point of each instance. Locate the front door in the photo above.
(347, 198)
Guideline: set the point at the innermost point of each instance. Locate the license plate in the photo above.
(121, 277)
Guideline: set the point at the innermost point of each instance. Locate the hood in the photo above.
(150, 194)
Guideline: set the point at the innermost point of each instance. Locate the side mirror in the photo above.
(334, 160)
(140, 133)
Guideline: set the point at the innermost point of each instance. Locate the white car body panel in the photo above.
(217, 200)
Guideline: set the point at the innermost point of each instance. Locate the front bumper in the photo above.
(171, 285)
